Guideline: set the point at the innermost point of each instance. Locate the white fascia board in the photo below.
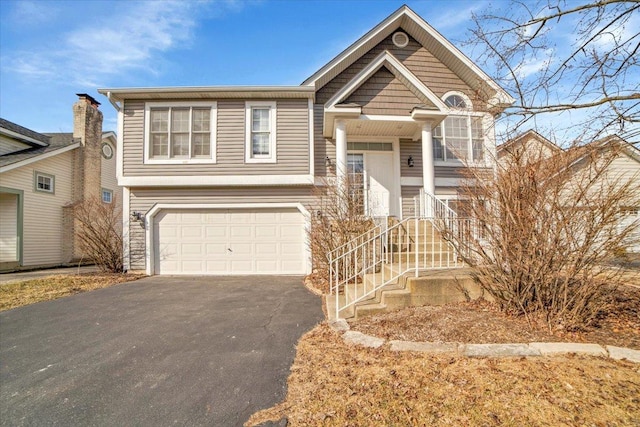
(22, 138)
(411, 181)
(126, 218)
(311, 139)
(214, 181)
(397, 68)
(120, 94)
(391, 21)
(502, 96)
(120, 145)
(38, 158)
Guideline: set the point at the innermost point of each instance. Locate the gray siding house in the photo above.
(220, 180)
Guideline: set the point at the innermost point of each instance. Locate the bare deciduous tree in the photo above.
(580, 60)
(338, 219)
(547, 228)
(98, 236)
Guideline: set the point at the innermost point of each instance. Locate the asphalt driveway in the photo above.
(158, 351)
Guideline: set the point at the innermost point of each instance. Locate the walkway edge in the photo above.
(533, 349)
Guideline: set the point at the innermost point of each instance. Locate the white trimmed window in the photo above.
(180, 132)
(107, 195)
(459, 137)
(260, 132)
(44, 183)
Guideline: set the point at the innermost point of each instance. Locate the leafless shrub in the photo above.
(97, 236)
(546, 229)
(338, 218)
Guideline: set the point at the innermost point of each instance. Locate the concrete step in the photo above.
(370, 281)
(369, 310)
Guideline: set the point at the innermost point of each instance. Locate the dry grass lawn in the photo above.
(17, 294)
(335, 384)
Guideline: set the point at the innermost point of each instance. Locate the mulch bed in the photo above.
(481, 322)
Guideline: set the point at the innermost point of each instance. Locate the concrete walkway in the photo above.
(487, 350)
(19, 276)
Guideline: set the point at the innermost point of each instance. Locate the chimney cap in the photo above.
(89, 98)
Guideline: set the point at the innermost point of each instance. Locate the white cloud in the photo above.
(133, 37)
(454, 16)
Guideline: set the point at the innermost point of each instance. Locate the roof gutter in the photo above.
(114, 103)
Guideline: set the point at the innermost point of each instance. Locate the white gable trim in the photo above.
(398, 69)
(385, 28)
(38, 158)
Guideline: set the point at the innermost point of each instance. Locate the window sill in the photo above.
(179, 161)
(258, 160)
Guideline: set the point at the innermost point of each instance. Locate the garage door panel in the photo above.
(228, 241)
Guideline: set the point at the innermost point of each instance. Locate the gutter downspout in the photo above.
(114, 103)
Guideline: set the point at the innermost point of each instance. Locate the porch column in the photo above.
(341, 150)
(428, 174)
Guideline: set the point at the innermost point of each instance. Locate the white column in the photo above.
(428, 174)
(341, 150)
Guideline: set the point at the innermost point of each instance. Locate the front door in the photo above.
(371, 176)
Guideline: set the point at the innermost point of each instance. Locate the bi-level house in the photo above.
(220, 180)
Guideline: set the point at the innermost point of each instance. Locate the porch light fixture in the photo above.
(410, 161)
(138, 216)
(327, 161)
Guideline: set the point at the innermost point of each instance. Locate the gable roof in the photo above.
(426, 35)
(58, 143)
(526, 136)
(402, 73)
(22, 134)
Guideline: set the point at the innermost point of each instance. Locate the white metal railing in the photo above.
(380, 256)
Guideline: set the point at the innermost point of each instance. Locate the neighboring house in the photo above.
(621, 168)
(42, 176)
(220, 180)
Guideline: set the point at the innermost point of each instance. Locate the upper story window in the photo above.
(260, 132)
(44, 183)
(459, 136)
(180, 132)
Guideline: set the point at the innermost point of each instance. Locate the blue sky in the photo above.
(50, 50)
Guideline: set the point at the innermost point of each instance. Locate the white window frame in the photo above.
(107, 191)
(249, 156)
(52, 178)
(469, 114)
(148, 158)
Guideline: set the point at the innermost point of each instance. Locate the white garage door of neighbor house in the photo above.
(229, 241)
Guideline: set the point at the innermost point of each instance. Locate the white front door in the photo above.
(372, 174)
(380, 183)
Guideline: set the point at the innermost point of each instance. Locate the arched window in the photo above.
(460, 136)
(456, 101)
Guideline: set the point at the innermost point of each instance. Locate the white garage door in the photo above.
(229, 242)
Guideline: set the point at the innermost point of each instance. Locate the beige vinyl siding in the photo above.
(43, 232)
(292, 143)
(143, 199)
(8, 145)
(411, 148)
(448, 172)
(109, 181)
(384, 94)
(8, 227)
(408, 193)
(433, 73)
(322, 147)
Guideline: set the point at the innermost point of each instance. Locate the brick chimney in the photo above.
(87, 169)
(87, 127)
